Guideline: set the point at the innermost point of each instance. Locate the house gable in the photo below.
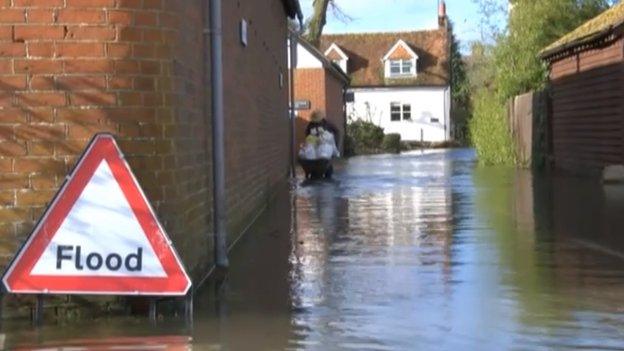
(335, 54)
(400, 62)
(400, 51)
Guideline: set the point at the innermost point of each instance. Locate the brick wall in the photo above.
(256, 106)
(325, 92)
(72, 68)
(134, 68)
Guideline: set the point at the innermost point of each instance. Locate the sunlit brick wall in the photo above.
(72, 68)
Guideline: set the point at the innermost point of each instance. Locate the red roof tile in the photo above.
(366, 50)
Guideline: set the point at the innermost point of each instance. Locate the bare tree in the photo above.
(318, 20)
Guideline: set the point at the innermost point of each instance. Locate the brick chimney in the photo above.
(442, 20)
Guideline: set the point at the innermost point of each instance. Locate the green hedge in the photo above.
(489, 130)
(392, 143)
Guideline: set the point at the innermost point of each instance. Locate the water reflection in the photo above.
(424, 251)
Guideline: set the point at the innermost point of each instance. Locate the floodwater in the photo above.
(420, 251)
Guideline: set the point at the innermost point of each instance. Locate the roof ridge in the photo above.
(382, 32)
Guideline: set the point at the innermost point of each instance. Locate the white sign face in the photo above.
(98, 236)
(100, 216)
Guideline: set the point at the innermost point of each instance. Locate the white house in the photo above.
(399, 80)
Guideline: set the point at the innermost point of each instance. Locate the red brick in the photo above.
(78, 115)
(118, 50)
(6, 33)
(39, 165)
(144, 83)
(42, 99)
(127, 66)
(6, 99)
(7, 197)
(32, 132)
(81, 83)
(125, 18)
(150, 67)
(88, 66)
(40, 148)
(12, 16)
(8, 83)
(38, 66)
(130, 34)
(81, 16)
(12, 49)
(133, 4)
(31, 32)
(13, 148)
(130, 99)
(83, 132)
(41, 50)
(120, 83)
(40, 16)
(13, 181)
(91, 33)
(34, 197)
(90, 3)
(12, 115)
(42, 83)
(146, 19)
(6, 66)
(13, 214)
(80, 49)
(38, 3)
(92, 99)
(44, 182)
(41, 114)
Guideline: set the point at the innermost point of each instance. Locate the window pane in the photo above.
(406, 67)
(395, 67)
(395, 111)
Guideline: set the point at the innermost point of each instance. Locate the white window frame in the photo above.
(406, 71)
(404, 111)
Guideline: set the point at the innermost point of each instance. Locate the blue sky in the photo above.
(400, 15)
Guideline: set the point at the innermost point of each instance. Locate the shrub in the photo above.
(392, 143)
(489, 130)
(366, 137)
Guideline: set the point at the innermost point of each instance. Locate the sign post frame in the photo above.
(102, 149)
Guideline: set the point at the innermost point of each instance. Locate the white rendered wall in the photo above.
(428, 102)
(306, 60)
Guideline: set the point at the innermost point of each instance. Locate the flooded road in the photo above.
(421, 251)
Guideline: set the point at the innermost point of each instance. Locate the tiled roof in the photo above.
(589, 31)
(366, 50)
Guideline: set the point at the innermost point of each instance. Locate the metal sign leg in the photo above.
(38, 311)
(152, 310)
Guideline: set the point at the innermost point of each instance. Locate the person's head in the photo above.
(317, 116)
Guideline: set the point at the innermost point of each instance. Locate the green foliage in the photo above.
(392, 143)
(512, 65)
(533, 25)
(489, 130)
(460, 91)
(364, 137)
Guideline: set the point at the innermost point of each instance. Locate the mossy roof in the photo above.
(590, 30)
(366, 50)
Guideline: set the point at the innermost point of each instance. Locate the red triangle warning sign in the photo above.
(99, 236)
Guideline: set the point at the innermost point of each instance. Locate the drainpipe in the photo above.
(292, 50)
(218, 132)
(293, 40)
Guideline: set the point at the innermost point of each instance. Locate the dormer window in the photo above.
(401, 67)
(337, 56)
(400, 61)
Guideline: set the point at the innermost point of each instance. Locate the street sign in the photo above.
(99, 236)
(302, 105)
